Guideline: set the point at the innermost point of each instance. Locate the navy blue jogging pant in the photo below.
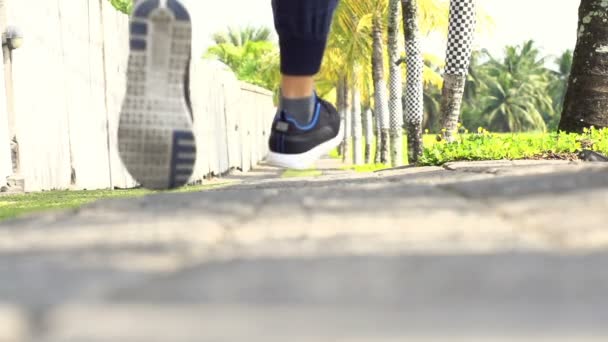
(303, 27)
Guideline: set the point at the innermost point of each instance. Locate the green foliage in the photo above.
(240, 36)
(428, 140)
(502, 146)
(301, 173)
(253, 61)
(516, 93)
(491, 146)
(432, 108)
(367, 168)
(124, 6)
(558, 88)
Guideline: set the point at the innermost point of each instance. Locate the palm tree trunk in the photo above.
(347, 117)
(357, 126)
(586, 102)
(460, 43)
(377, 134)
(451, 104)
(380, 95)
(368, 126)
(341, 106)
(377, 157)
(395, 102)
(414, 92)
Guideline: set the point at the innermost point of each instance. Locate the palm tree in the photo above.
(559, 86)
(368, 128)
(358, 30)
(564, 65)
(395, 84)
(357, 125)
(350, 47)
(474, 77)
(433, 82)
(414, 104)
(255, 62)
(368, 123)
(240, 36)
(526, 65)
(515, 90)
(368, 20)
(340, 106)
(460, 42)
(432, 108)
(586, 102)
(345, 113)
(347, 56)
(380, 96)
(513, 106)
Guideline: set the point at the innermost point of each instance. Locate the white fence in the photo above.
(69, 80)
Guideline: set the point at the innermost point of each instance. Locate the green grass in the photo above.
(428, 140)
(500, 146)
(301, 173)
(367, 168)
(490, 146)
(13, 206)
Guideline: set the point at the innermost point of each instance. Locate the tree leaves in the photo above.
(256, 62)
(124, 6)
(240, 36)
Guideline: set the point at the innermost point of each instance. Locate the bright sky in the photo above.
(552, 23)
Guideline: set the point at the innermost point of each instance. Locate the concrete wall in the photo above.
(69, 80)
(5, 152)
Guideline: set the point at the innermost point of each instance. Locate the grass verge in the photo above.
(428, 140)
(12, 206)
(301, 173)
(489, 146)
(500, 146)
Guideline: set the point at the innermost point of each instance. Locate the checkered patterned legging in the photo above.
(460, 37)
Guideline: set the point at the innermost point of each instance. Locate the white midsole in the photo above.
(304, 160)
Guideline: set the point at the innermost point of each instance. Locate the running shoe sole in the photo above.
(155, 134)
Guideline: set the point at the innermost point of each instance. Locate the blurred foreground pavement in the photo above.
(496, 251)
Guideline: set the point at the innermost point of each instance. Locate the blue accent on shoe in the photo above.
(179, 11)
(183, 173)
(177, 160)
(144, 9)
(187, 149)
(139, 28)
(138, 44)
(311, 125)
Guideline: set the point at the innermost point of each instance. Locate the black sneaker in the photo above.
(297, 146)
(155, 133)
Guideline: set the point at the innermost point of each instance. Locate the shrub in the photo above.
(490, 146)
